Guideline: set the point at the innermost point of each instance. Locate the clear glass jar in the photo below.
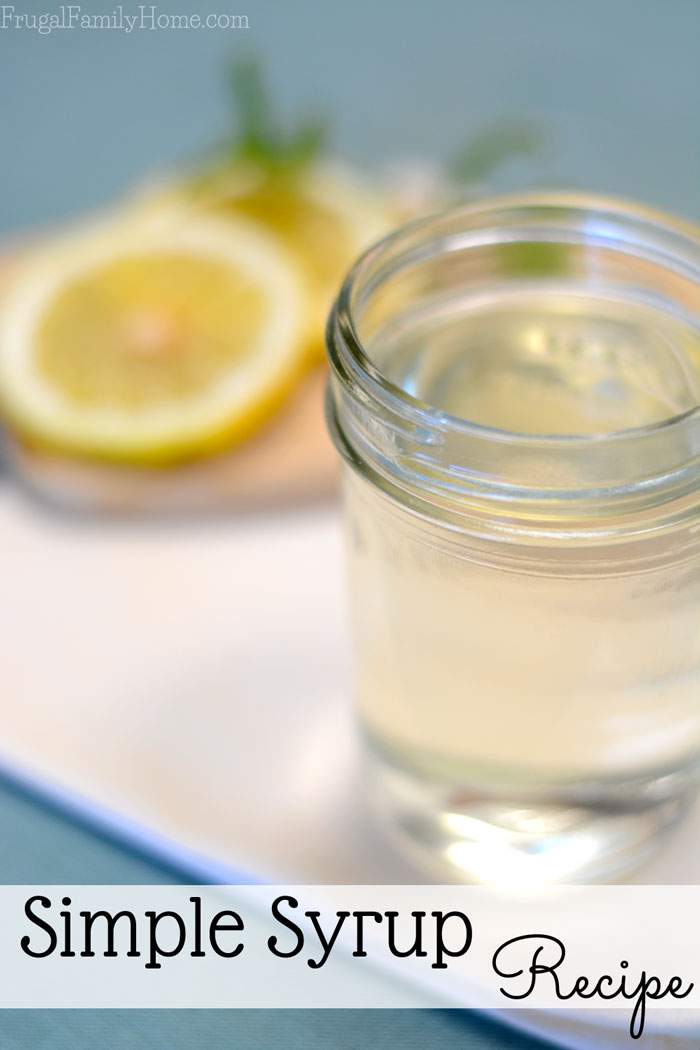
(514, 392)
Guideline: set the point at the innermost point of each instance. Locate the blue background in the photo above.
(616, 85)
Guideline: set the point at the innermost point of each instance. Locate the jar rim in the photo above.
(687, 235)
(412, 447)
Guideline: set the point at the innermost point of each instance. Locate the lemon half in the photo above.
(149, 341)
(323, 216)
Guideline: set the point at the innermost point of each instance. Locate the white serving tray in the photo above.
(188, 683)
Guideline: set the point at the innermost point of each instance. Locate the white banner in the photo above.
(629, 948)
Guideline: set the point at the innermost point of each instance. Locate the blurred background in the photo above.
(615, 86)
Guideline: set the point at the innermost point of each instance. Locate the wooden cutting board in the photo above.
(290, 461)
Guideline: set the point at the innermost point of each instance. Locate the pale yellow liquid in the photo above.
(467, 669)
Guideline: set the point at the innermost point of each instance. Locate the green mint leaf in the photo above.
(252, 103)
(258, 138)
(492, 147)
(307, 143)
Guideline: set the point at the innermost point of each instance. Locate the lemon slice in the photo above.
(324, 215)
(148, 341)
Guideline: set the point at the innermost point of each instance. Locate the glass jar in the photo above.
(514, 392)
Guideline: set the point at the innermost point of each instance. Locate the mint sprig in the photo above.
(259, 138)
(494, 146)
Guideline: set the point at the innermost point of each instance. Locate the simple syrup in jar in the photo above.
(515, 391)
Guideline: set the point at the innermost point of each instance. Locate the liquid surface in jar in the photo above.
(548, 363)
